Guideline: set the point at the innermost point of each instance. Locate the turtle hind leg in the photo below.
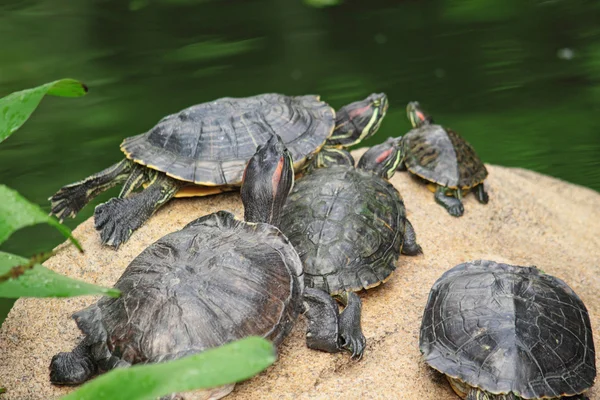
(118, 218)
(453, 205)
(410, 246)
(70, 199)
(73, 368)
(481, 194)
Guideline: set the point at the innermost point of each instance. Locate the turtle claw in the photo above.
(115, 222)
(355, 344)
(68, 201)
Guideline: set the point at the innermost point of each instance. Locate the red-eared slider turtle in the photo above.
(216, 280)
(349, 226)
(440, 156)
(501, 332)
(203, 150)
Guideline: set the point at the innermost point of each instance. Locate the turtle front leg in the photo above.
(453, 205)
(351, 334)
(323, 319)
(481, 194)
(70, 199)
(118, 218)
(73, 368)
(330, 331)
(410, 246)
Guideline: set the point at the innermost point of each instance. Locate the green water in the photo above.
(519, 79)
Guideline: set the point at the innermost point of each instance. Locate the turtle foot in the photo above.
(70, 369)
(68, 201)
(115, 220)
(456, 210)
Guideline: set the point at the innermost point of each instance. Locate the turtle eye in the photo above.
(377, 103)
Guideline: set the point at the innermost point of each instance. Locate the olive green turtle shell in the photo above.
(347, 226)
(210, 143)
(442, 156)
(217, 280)
(505, 328)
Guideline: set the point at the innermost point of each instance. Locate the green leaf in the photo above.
(16, 108)
(20, 277)
(229, 363)
(16, 212)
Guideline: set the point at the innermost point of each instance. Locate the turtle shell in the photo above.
(210, 143)
(217, 280)
(442, 156)
(347, 226)
(505, 328)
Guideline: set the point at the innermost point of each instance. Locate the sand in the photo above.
(531, 219)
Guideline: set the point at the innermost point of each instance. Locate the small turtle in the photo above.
(203, 150)
(442, 157)
(349, 226)
(504, 332)
(216, 280)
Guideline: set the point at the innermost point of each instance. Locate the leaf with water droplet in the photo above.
(39, 281)
(16, 212)
(230, 363)
(18, 106)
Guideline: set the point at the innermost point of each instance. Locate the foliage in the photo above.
(227, 364)
(17, 107)
(16, 213)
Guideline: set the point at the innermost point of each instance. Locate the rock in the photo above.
(531, 219)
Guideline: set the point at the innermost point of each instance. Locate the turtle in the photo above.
(507, 332)
(443, 158)
(216, 280)
(203, 150)
(349, 226)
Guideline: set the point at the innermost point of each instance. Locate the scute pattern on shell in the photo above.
(217, 280)
(442, 156)
(347, 226)
(210, 143)
(506, 328)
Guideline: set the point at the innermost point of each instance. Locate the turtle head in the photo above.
(358, 121)
(268, 179)
(382, 159)
(416, 115)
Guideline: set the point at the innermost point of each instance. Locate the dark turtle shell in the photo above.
(347, 226)
(217, 280)
(505, 328)
(442, 156)
(210, 143)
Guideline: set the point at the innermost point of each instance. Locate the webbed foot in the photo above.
(72, 368)
(116, 220)
(70, 199)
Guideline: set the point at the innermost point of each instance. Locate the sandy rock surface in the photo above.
(531, 219)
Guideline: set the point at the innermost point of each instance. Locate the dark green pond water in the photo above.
(519, 79)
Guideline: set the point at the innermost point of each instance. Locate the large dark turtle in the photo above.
(501, 332)
(349, 226)
(216, 280)
(441, 156)
(203, 150)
